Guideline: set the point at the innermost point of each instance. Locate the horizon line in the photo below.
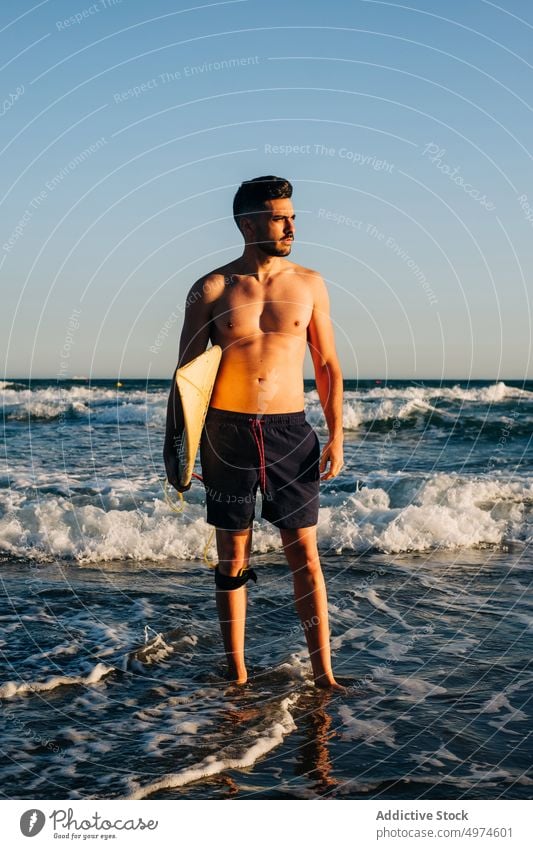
(153, 377)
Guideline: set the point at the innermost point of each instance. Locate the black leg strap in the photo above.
(225, 582)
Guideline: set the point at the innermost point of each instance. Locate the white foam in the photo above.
(383, 403)
(417, 688)
(357, 410)
(379, 604)
(154, 651)
(498, 703)
(134, 406)
(103, 405)
(370, 731)
(214, 764)
(446, 511)
(445, 754)
(493, 392)
(128, 519)
(12, 688)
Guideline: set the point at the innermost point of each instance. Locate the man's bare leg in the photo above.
(311, 600)
(233, 555)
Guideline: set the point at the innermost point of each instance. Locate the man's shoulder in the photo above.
(311, 277)
(310, 274)
(208, 287)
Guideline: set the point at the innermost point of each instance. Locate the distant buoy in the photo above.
(118, 383)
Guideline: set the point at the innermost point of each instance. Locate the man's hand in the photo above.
(332, 453)
(173, 470)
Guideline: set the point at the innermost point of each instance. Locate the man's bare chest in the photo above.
(246, 308)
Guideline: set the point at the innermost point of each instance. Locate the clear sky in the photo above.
(126, 127)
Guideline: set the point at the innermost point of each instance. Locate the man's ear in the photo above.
(247, 228)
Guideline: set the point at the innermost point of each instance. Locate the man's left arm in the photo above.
(328, 376)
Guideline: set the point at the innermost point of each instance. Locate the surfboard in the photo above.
(195, 382)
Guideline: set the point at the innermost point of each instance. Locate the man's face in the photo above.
(274, 228)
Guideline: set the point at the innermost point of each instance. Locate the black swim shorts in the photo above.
(278, 453)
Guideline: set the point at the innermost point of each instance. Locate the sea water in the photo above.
(112, 677)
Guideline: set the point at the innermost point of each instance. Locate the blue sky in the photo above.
(126, 128)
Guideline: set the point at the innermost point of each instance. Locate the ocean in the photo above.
(112, 679)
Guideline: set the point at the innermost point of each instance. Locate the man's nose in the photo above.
(289, 226)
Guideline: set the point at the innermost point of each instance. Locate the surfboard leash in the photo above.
(176, 506)
(179, 507)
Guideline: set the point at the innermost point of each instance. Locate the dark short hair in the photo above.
(252, 194)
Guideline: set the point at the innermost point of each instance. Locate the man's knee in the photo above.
(232, 548)
(301, 551)
(310, 567)
(231, 566)
(304, 562)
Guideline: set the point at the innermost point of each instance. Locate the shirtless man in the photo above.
(263, 310)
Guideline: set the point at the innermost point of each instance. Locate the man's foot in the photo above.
(240, 677)
(327, 682)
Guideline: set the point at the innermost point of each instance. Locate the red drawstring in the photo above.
(257, 432)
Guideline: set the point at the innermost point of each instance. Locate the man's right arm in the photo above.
(193, 342)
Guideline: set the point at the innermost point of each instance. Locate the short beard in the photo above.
(270, 249)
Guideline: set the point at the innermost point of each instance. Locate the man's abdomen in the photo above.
(261, 375)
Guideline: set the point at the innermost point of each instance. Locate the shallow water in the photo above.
(437, 647)
(112, 679)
